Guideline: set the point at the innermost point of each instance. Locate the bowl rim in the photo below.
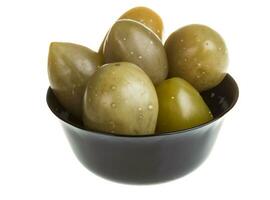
(182, 132)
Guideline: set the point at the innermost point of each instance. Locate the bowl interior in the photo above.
(219, 99)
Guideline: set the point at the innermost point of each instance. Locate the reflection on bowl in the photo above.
(153, 158)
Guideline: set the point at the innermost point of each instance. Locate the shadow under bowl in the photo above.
(148, 159)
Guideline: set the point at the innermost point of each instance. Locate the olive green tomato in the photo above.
(120, 99)
(198, 54)
(180, 106)
(146, 16)
(69, 68)
(133, 42)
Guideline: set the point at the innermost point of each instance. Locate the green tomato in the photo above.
(120, 98)
(180, 106)
(69, 68)
(197, 54)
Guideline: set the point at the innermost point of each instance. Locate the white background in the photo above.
(36, 161)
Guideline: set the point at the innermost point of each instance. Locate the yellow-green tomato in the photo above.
(120, 99)
(197, 54)
(146, 16)
(69, 68)
(180, 106)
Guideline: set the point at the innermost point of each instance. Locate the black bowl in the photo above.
(148, 159)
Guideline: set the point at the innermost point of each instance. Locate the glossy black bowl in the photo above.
(148, 159)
